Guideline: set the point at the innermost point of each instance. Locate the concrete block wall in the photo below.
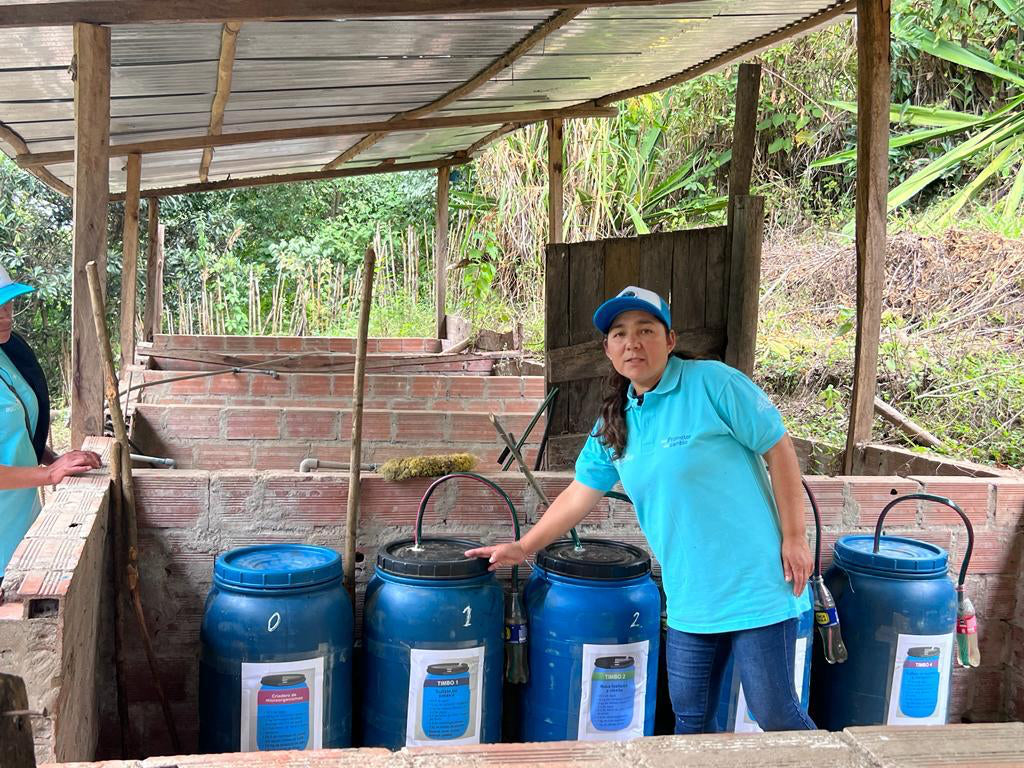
(265, 437)
(53, 618)
(188, 517)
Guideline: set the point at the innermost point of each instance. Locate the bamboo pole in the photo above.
(356, 454)
(131, 539)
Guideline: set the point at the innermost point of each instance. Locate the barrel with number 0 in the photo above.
(594, 617)
(434, 648)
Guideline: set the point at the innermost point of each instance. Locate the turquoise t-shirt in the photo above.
(18, 508)
(693, 468)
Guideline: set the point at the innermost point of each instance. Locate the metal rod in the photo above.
(200, 375)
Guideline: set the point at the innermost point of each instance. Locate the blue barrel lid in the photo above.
(277, 566)
(896, 554)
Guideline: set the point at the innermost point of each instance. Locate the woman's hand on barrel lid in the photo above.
(511, 553)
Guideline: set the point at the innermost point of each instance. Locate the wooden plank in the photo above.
(556, 195)
(744, 283)
(153, 314)
(563, 449)
(481, 78)
(92, 171)
(321, 131)
(586, 289)
(716, 295)
(130, 261)
(556, 322)
(16, 747)
(738, 53)
(656, 263)
(13, 139)
(689, 279)
(587, 360)
(225, 70)
(975, 744)
(621, 265)
(441, 247)
(31, 14)
(289, 178)
(873, 94)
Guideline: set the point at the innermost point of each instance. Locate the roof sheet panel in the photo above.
(265, 74)
(47, 47)
(155, 43)
(472, 36)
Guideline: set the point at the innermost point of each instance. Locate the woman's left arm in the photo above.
(784, 469)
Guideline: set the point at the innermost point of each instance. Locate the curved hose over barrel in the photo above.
(938, 500)
(826, 616)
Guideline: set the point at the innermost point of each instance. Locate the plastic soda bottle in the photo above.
(967, 652)
(827, 620)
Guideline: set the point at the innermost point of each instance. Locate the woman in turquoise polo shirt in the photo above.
(686, 439)
(20, 470)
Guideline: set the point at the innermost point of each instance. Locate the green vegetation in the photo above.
(286, 260)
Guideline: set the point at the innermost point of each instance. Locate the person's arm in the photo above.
(71, 463)
(566, 511)
(784, 469)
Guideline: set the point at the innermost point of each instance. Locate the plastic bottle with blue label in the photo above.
(282, 713)
(446, 694)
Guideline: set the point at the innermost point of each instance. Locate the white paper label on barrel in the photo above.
(919, 688)
(445, 701)
(282, 705)
(745, 722)
(613, 692)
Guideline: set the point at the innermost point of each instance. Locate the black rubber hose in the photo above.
(938, 500)
(817, 528)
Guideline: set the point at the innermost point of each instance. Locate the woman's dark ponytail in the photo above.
(612, 431)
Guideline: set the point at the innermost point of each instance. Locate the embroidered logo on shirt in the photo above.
(675, 442)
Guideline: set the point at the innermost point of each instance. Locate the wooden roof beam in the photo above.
(385, 166)
(482, 77)
(36, 14)
(225, 70)
(320, 131)
(13, 139)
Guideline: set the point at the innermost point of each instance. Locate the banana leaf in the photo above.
(1006, 158)
(911, 115)
(943, 49)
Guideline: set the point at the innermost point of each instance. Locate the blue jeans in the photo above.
(764, 657)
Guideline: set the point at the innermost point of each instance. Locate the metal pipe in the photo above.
(157, 460)
(311, 464)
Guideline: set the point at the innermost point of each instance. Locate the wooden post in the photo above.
(130, 264)
(873, 97)
(356, 448)
(441, 246)
(748, 89)
(556, 198)
(151, 321)
(744, 282)
(91, 73)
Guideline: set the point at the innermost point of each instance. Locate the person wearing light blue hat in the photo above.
(690, 440)
(20, 418)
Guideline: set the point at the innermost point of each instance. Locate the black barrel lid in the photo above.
(434, 558)
(598, 560)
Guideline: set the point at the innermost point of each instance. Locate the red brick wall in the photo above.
(237, 437)
(289, 344)
(186, 518)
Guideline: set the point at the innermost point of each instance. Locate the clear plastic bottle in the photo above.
(827, 620)
(968, 654)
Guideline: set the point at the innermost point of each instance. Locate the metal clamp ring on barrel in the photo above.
(489, 483)
(938, 500)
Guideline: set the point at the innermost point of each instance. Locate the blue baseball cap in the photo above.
(10, 289)
(632, 297)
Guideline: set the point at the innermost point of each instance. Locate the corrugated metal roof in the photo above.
(305, 73)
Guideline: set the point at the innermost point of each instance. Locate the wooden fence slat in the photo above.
(621, 265)
(717, 287)
(556, 322)
(656, 263)
(689, 278)
(586, 289)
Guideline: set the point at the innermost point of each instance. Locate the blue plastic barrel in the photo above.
(275, 668)
(898, 609)
(433, 639)
(594, 618)
(733, 714)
